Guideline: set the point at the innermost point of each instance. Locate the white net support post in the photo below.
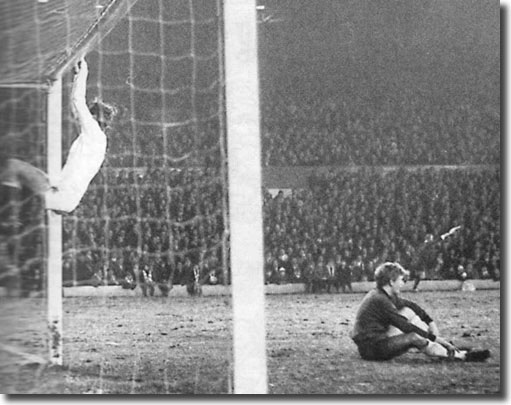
(54, 264)
(245, 199)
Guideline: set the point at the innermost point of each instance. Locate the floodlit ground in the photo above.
(182, 345)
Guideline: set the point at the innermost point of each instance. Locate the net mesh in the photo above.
(159, 195)
(39, 36)
(23, 340)
(153, 220)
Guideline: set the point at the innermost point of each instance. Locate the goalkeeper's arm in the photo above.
(451, 232)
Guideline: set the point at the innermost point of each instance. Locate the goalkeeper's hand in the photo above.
(81, 67)
(445, 343)
(79, 88)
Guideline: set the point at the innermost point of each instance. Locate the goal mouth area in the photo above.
(43, 38)
(164, 67)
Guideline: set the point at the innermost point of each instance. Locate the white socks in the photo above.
(437, 350)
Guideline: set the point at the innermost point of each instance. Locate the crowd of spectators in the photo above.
(345, 223)
(141, 223)
(133, 230)
(391, 126)
(355, 220)
(147, 226)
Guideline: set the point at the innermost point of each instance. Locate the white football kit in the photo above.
(85, 158)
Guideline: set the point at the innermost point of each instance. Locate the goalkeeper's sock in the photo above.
(437, 350)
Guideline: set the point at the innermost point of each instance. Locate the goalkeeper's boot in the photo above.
(477, 355)
(473, 355)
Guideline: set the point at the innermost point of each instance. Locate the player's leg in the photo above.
(432, 349)
(399, 344)
(412, 317)
(20, 174)
(420, 275)
(143, 287)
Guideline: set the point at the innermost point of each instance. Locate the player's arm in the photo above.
(78, 99)
(391, 314)
(445, 343)
(451, 232)
(432, 327)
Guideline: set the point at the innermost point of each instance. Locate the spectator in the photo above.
(331, 281)
(193, 284)
(344, 276)
(409, 126)
(320, 275)
(147, 283)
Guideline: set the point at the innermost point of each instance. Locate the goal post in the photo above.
(54, 263)
(245, 198)
(183, 164)
(114, 11)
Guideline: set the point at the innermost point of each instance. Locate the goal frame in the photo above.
(54, 264)
(245, 198)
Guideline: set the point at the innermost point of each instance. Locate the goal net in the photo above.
(152, 227)
(23, 343)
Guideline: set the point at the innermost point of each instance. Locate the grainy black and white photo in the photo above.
(204, 197)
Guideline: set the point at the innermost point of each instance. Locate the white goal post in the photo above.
(245, 199)
(110, 16)
(54, 265)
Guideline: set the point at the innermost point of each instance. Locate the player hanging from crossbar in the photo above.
(85, 157)
(387, 326)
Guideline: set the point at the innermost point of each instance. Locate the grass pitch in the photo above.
(182, 345)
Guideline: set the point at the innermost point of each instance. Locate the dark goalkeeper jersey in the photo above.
(378, 311)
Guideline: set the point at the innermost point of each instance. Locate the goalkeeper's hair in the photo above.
(103, 113)
(389, 271)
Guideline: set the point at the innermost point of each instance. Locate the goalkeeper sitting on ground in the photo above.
(85, 156)
(387, 325)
